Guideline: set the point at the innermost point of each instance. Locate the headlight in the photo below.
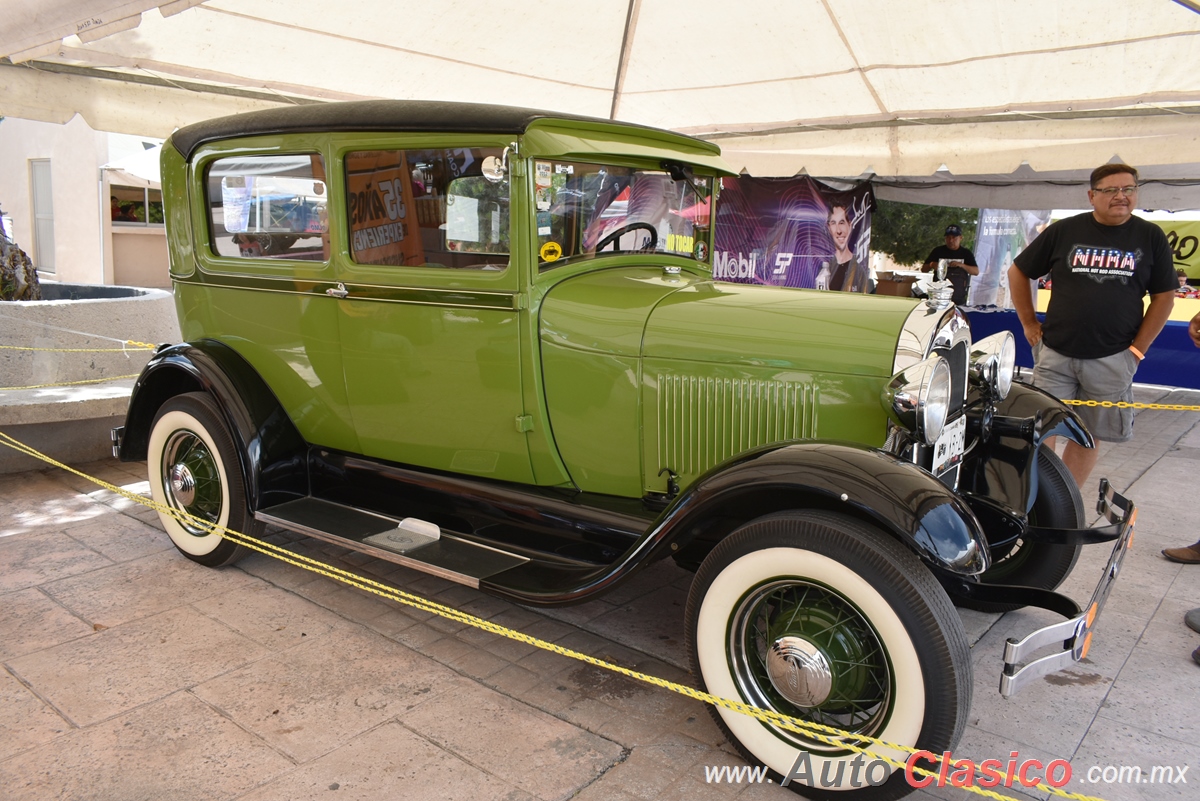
(993, 360)
(918, 399)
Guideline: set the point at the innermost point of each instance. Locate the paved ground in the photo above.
(132, 673)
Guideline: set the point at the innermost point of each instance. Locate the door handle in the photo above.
(339, 291)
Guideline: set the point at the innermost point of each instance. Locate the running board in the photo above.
(412, 543)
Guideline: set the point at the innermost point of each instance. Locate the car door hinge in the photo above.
(524, 423)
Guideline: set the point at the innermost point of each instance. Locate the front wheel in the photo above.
(194, 468)
(822, 618)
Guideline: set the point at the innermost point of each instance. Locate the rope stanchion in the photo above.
(849, 741)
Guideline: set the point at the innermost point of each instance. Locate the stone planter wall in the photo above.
(69, 421)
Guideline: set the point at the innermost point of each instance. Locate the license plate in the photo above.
(948, 451)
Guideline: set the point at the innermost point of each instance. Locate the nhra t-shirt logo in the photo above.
(1103, 263)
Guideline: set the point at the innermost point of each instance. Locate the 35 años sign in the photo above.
(1185, 243)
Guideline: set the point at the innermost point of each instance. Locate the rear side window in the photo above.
(427, 208)
(269, 207)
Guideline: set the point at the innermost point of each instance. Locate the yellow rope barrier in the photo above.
(826, 734)
(1174, 407)
(140, 346)
(74, 383)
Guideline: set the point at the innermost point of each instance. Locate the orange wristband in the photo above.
(1137, 353)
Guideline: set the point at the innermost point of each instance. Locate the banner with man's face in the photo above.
(794, 232)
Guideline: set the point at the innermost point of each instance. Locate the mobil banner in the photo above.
(794, 232)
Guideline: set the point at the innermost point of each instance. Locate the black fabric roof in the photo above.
(371, 115)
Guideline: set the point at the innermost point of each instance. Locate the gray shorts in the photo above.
(1106, 379)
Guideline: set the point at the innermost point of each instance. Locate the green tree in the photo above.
(908, 231)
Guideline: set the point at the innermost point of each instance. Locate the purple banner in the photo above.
(793, 232)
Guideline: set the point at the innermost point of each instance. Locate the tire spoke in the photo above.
(859, 698)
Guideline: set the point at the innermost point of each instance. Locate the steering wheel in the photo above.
(612, 238)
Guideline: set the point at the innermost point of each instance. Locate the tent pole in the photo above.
(631, 18)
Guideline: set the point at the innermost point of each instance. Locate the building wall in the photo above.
(139, 257)
(75, 152)
(88, 249)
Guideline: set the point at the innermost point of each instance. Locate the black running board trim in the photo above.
(450, 557)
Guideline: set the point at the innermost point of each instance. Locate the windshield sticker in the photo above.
(542, 199)
(551, 251)
(567, 169)
(701, 250)
(542, 174)
(462, 218)
(544, 223)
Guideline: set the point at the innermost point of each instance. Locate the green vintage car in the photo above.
(484, 342)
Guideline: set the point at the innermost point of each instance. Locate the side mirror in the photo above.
(496, 169)
(493, 169)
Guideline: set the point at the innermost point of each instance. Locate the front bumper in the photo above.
(1073, 637)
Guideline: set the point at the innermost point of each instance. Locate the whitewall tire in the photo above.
(193, 467)
(824, 618)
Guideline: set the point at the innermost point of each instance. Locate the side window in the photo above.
(270, 207)
(427, 208)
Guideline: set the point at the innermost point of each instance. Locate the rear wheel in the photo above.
(194, 468)
(825, 619)
(1058, 504)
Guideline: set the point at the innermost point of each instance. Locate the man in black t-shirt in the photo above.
(962, 263)
(1101, 265)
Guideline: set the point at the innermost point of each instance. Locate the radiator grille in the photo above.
(703, 421)
(957, 357)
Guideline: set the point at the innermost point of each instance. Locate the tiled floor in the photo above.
(128, 672)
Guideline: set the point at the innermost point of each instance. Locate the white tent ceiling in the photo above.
(899, 89)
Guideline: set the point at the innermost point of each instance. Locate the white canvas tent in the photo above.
(912, 91)
(138, 170)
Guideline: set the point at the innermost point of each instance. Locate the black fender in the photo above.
(1001, 465)
(273, 454)
(891, 494)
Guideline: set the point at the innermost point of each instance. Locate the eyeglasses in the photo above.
(1109, 191)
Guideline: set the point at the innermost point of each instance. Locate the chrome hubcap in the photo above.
(183, 485)
(799, 671)
(191, 481)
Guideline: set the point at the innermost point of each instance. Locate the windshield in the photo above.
(591, 209)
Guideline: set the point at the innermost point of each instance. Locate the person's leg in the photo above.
(1080, 461)
(1106, 379)
(1056, 374)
